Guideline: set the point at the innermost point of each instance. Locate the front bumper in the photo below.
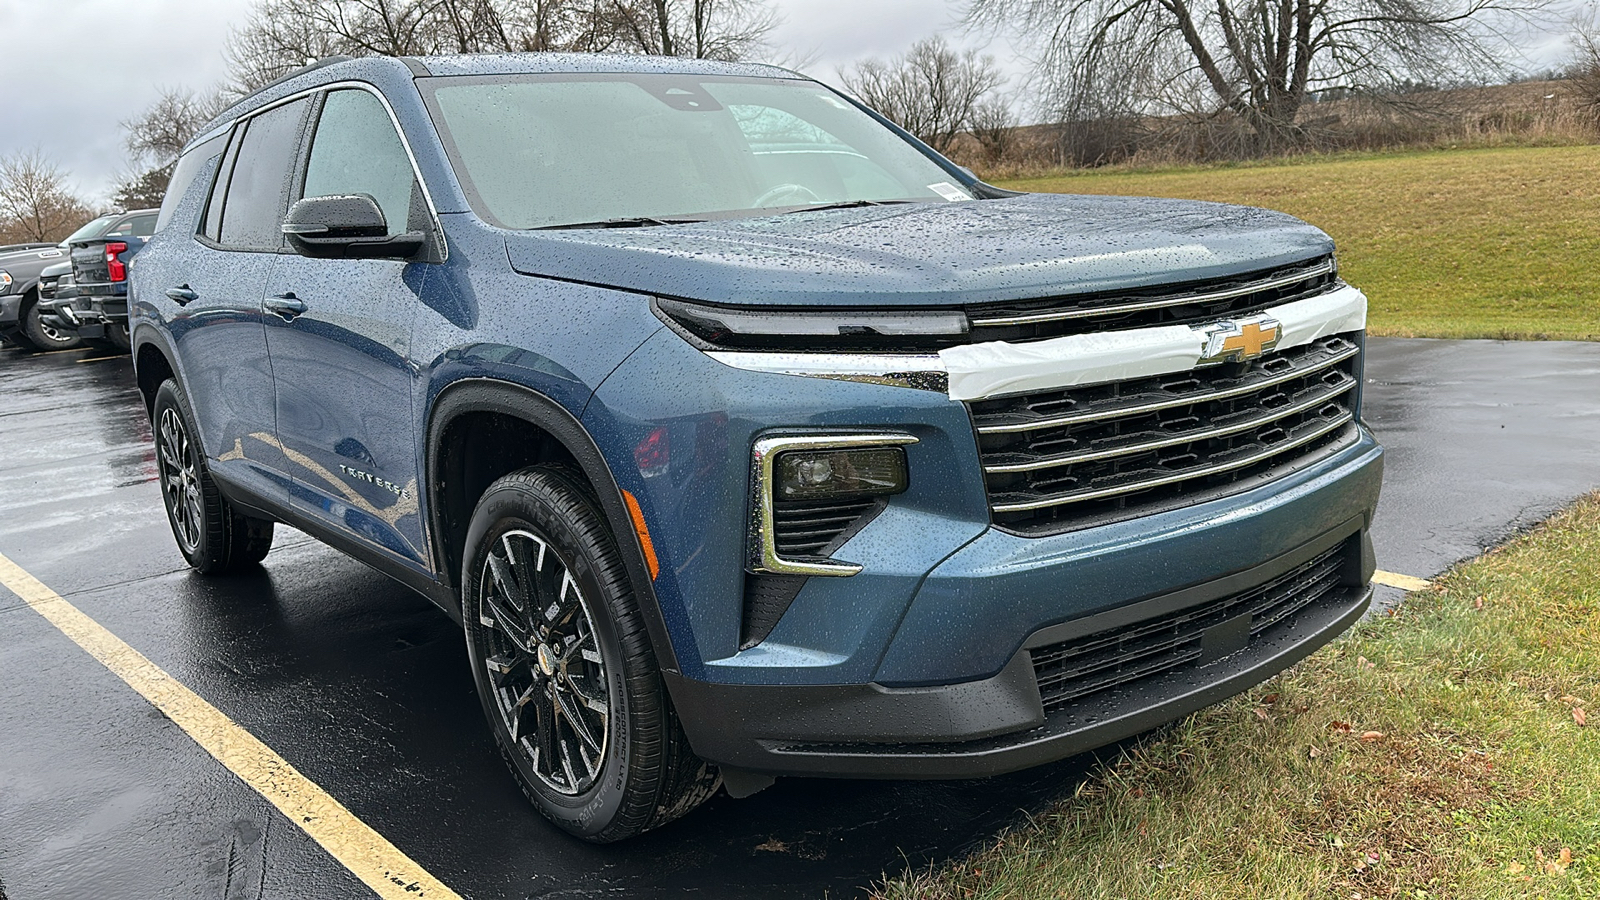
(925, 715)
(999, 724)
(10, 311)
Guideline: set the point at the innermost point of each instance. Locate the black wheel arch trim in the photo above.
(472, 395)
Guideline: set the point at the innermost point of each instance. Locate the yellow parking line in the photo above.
(1403, 582)
(366, 853)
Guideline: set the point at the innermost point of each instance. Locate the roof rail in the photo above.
(322, 63)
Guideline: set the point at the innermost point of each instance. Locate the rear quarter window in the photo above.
(189, 167)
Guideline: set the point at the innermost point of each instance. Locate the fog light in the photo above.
(790, 469)
(845, 474)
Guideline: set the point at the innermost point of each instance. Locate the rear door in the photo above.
(340, 339)
(218, 329)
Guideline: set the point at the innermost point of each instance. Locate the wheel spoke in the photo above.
(574, 716)
(506, 581)
(502, 666)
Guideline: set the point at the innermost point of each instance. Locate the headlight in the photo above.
(813, 328)
(5, 282)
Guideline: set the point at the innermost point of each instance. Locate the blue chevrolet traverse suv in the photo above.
(744, 435)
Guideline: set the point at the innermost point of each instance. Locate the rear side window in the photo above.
(184, 174)
(258, 186)
(134, 226)
(356, 151)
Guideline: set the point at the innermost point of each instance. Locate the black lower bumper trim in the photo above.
(998, 725)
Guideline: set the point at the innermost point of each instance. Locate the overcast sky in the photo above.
(70, 69)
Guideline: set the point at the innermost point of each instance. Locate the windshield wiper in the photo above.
(627, 222)
(846, 204)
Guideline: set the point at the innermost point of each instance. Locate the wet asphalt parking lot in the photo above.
(364, 688)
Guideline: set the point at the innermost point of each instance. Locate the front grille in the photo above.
(1200, 301)
(1065, 459)
(811, 529)
(1071, 670)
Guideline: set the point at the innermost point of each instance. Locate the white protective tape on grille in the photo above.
(977, 371)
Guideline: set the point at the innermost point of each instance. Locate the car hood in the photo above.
(928, 254)
(44, 256)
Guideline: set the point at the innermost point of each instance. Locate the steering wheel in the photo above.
(791, 194)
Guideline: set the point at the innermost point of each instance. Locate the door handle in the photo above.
(183, 295)
(285, 306)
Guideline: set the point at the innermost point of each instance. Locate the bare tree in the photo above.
(282, 35)
(1255, 60)
(1584, 62)
(155, 138)
(35, 202)
(703, 29)
(932, 91)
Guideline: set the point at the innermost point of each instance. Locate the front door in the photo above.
(339, 334)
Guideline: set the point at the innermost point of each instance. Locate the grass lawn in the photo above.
(1440, 752)
(1497, 243)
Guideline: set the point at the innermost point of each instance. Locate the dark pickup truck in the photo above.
(100, 272)
(21, 315)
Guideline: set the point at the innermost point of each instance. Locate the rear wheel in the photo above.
(564, 666)
(117, 336)
(45, 336)
(211, 534)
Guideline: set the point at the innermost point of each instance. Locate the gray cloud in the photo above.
(70, 69)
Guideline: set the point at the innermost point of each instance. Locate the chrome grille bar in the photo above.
(1327, 427)
(1058, 315)
(1096, 415)
(1267, 418)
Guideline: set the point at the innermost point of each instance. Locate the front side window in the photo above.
(543, 151)
(258, 186)
(356, 151)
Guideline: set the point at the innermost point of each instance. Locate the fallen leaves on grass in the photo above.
(1579, 717)
(1372, 737)
(1555, 866)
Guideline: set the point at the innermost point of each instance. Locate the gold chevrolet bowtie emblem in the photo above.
(1240, 339)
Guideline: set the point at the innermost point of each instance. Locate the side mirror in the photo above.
(347, 226)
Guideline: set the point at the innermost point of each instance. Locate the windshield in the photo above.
(89, 231)
(543, 151)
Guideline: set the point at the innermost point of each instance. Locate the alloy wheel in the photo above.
(53, 333)
(180, 479)
(545, 669)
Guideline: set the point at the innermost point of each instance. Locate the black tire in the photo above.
(626, 766)
(214, 537)
(117, 336)
(20, 341)
(44, 336)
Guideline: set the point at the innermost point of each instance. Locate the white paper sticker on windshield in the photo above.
(949, 191)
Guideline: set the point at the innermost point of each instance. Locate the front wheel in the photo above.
(564, 667)
(213, 536)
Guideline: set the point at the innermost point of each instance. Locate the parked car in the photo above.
(62, 309)
(20, 315)
(100, 279)
(745, 435)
